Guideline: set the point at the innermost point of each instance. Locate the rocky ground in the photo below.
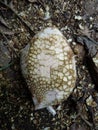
(19, 22)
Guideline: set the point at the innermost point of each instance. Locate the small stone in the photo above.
(91, 18)
(13, 127)
(47, 128)
(74, 43)
(81, 27)
(69, 40)
(78, 17)
(47, 13)
(31, 114)
(31, 118)
(91, 102)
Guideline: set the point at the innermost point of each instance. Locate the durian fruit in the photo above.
(48, 65)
